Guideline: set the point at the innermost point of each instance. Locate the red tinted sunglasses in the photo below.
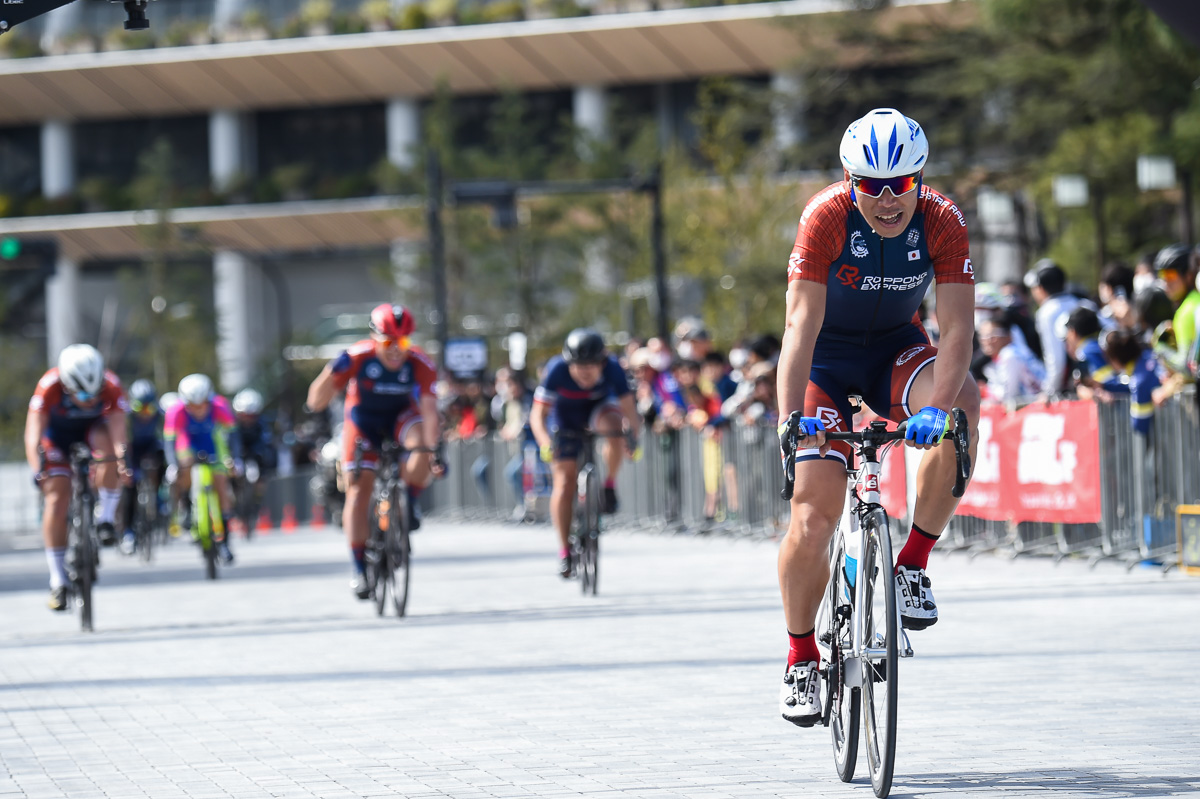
(402, 344)
(873, 187)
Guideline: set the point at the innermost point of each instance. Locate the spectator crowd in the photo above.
(1044, 338)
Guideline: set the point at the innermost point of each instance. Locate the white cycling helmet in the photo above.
(81, 370)
(168, 401)
(248, 401)
(884, 144)
(195, 389)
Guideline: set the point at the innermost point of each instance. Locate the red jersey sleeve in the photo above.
(424, 372)
(821, 235)
(346, 365)
(946, 232)
(112, 396)
(48, 393)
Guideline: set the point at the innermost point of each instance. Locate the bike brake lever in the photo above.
(962, 452)
(789, 469)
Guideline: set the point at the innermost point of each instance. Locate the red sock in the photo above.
(915, 554)
(610, 483)
(803, 648)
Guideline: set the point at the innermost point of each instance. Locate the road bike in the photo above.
(83, 547)
(387, 558)
(149, 525)
(584, 539)
(210, 524)
(247, 494)
(858, 623)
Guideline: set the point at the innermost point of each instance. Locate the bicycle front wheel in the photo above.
(842, 702)
(881, 624)
(399, 550)
(589, 534)
(147, 512)
(85, 557)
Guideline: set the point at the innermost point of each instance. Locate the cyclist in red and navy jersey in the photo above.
(79, 401)
(390, 394)
(867, 250)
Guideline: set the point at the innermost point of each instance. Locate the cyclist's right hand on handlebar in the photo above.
(172, 473)
(801, 432)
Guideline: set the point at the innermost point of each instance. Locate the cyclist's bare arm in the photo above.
(431, 427)
(956, 321)
(116, 425)
(805, 314)
(537, 423)
(35, 426)
(322, 389)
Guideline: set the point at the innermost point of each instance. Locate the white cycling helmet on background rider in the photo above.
(81, 370)
(884, 144)
(195, 389)
(248, 401)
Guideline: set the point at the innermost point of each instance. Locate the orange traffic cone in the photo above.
(318, 515)
(288, 525)
(264, 522)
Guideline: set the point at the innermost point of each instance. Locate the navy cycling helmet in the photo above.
(584, 345)
(141, 394)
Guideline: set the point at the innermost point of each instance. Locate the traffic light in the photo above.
(10, 248)
(14, 247)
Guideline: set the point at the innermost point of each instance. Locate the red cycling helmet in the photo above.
(392, 321)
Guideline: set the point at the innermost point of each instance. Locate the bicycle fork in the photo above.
(857, 509)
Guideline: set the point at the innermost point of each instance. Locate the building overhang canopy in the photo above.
(609, 49)
(255, 229)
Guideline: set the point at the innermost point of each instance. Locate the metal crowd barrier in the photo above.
(1142, 480)
(693, 482)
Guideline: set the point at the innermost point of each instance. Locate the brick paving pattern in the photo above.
(505, 682)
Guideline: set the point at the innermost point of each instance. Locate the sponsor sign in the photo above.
(1038, 464)
(466, 358)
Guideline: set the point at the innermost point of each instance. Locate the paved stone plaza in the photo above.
(505, 682)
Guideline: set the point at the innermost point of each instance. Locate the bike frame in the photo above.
(209, 527)
(862, 513)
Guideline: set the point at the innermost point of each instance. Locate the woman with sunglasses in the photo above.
(390, 393)
(76, 402)
(868, 249)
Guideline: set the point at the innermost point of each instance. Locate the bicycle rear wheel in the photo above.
(842, 702)
(589, 534)
(147, 518)
(879, 663)
(398, 549)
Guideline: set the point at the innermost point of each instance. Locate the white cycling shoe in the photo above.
(800, 694)
(917, 608)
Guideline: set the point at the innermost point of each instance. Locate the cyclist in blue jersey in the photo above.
(145, 445)
(584, 389)
(867, 250)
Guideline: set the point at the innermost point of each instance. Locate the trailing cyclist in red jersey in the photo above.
(875, 285)
(376, 391)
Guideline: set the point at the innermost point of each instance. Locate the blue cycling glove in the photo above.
(927, 426)
(803, 426)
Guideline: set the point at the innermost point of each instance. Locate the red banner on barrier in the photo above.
(1039, 464)
(985, 496)
(1056, 468)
